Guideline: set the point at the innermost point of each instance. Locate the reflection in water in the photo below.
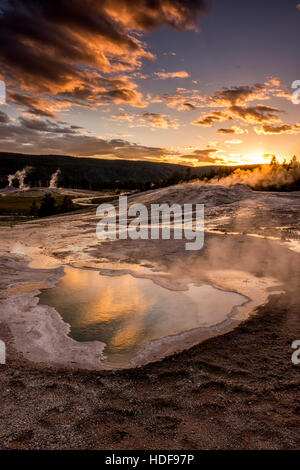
(124, 312)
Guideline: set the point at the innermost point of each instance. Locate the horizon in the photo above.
(189, 83)
(112, 159)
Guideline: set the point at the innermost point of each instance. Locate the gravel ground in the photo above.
(236, 391)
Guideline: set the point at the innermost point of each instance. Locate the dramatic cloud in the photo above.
(159, 120)
(123, 117)
(146, 119)
(182, 100)
(242, 95)
(50, 137)
(47, 126)
(186, 106)
(273, 82)
(237, 96)
(60, 47)
(254, 114)
(34, 105)
(251, 115)
(204, 156)
(165, 75)
(276, 130)
(57, 55)
(232, 130)
(211, 118)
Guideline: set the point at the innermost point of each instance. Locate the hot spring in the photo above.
(126, 312)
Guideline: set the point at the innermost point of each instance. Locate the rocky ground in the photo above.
(235, 391)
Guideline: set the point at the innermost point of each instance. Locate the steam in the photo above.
(54, 179)
(275, 175)
(20, 175)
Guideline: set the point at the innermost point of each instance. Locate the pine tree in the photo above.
(67, 205)
(48, 206)
(34, 209)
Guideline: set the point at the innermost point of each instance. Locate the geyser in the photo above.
(54, 179)
(20, 175)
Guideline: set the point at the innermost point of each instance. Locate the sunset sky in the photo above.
(193, 82)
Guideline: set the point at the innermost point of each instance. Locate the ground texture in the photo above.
(236, 391)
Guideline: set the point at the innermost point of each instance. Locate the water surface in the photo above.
(125, 312)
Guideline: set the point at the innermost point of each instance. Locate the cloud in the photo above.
(228, 97)
(51, 137)
(47, 126)
(165, 75)
(36, 106)
(233, 142)
(63, 48)
(276, 130)
(273, 81)
(251, 115)
(211, 118)
(186, 107)
(159, 120)
(122, 117)
(232, 130)
(204, 156)
(254, 114)
(98, 90)
(239, 95)
(146, 119)
(236, 103)
(242, 95)
(182, 100)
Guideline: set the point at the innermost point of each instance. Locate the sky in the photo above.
(194, 82)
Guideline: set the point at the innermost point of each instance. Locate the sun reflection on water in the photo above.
(125, 312)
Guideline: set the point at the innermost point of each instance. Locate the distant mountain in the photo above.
(94, 173)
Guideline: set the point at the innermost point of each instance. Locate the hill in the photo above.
(92, 173)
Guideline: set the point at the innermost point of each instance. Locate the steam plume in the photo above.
(20, 175)
(54, 179)
(285, 176)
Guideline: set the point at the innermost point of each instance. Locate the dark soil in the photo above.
(237, 391)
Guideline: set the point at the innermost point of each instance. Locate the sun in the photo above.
(257, 158)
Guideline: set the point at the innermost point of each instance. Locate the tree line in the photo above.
(50, 206)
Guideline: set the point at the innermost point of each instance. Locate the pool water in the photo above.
(125, 312)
